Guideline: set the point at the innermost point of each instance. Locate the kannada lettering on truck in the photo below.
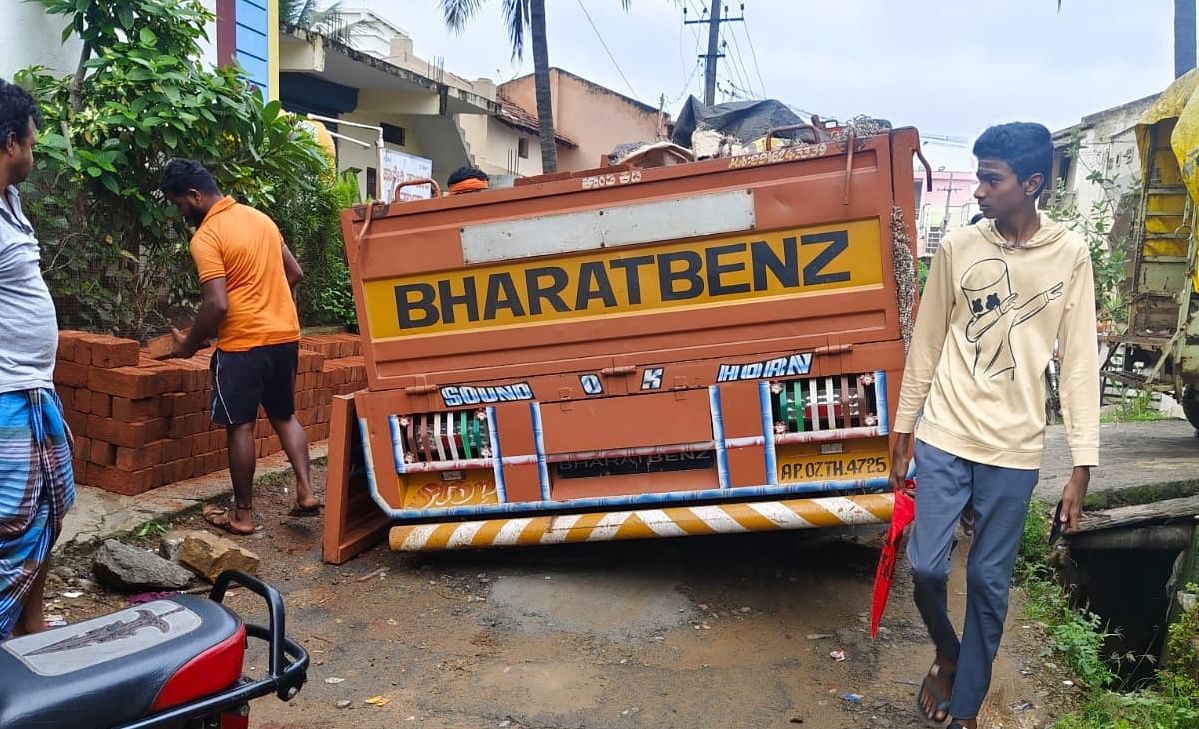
(701, 348)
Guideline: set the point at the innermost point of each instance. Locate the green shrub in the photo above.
(114, 255)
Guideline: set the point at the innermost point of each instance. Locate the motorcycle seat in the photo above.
(118, 668)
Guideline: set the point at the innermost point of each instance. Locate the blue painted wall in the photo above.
(253, 43)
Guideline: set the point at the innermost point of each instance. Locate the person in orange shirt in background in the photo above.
(247, 275)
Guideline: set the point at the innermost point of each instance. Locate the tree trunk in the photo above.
(77, 79)
(1184, 36)
(541, 78)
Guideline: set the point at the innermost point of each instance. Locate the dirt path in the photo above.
(700, 632)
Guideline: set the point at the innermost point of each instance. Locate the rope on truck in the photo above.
(905, 274)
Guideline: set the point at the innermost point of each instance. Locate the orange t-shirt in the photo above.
(243, 246)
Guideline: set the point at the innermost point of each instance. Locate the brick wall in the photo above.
(140, 423)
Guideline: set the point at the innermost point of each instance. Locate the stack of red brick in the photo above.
(141, 423)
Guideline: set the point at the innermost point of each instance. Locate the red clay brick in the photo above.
(66, 395)
(134, 383)
(127, 435)
(79, 467)
(194, 375)
(163, 346)
(176, 471)
(200, 445)
(108, 352)
(83, 446)
(176, 449)
(170, 374)
(320, 343)
(185, 403)
(66, 344)
(330, 373)
(70, 374)
(77, 422)
(175, 378)
(185, 425)
(132, 411)
(82, 401)
(101, 453)
(166, 403)
(129, 483)
(101, 405)
(137, 459)
(214, 462)
(83, 350)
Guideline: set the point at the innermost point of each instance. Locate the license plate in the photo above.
(851, 466)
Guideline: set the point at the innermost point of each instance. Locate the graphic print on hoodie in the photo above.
(996, 312)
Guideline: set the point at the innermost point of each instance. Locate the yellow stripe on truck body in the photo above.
(713, 272)
(678, 521)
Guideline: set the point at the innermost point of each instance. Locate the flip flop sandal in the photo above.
(219, 517)
(941, 699)
(296, 511)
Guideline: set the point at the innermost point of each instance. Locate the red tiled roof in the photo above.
(517, 117)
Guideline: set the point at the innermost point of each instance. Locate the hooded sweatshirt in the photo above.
(989, 316)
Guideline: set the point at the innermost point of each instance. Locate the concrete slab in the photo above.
(99, 514)
(1130, 454)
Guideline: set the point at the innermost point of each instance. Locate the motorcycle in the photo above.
(174, 663)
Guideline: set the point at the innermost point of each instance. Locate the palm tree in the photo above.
(521, 16)
(308, 15)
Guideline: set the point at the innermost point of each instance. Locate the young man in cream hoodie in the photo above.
(999, 294)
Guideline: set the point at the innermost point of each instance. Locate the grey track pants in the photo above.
(1000, 496)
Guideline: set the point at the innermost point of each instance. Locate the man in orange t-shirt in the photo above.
(246, 279)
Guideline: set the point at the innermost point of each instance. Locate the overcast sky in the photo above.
(948, 67)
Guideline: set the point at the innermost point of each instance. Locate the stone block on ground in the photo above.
(171, 544)
(208, 555)
(130, 569)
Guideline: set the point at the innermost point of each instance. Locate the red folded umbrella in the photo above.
(902, 515)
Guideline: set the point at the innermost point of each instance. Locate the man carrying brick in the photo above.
(247, 275)
(37, 484)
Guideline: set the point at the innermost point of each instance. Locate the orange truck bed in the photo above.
(623, 353)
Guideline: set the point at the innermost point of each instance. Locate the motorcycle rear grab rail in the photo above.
(286, 671)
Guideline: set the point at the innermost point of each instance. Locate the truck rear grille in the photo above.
(816, 404)
(460, 435)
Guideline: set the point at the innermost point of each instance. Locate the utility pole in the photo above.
(949, 190)
(713, 53)
(714, 20)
